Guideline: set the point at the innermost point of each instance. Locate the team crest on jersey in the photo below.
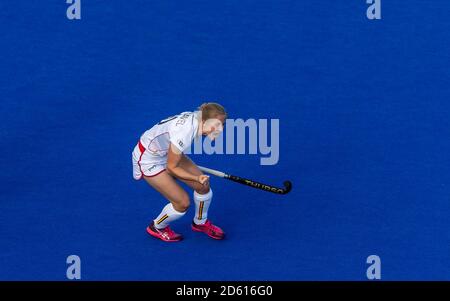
(180, 143)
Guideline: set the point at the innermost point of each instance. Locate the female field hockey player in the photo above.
(158, 158)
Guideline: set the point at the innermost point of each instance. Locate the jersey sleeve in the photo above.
(181, 135)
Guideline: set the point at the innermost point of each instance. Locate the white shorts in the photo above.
(144, 163)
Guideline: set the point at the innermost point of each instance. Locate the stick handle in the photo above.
(212, 171)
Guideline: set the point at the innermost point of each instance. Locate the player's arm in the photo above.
(173, 159)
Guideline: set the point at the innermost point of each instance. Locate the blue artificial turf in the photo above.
(364, 137)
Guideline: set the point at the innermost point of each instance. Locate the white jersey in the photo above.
(150, 155)
(179, 130)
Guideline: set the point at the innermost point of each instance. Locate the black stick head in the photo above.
(287, 187)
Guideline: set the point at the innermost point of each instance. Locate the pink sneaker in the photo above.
(210, 230)
(165, 234)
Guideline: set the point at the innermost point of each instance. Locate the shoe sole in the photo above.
(155, 235)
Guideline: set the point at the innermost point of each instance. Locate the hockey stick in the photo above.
(285, 190)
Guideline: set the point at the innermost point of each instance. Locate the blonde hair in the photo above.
(211, 110)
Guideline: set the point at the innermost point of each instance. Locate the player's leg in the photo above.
(202, 199)
(177, 207)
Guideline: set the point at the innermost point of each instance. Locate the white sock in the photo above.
(202, 202)
(167, 215)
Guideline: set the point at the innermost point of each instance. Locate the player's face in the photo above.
(213, 127)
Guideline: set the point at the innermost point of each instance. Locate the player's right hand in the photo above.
(203, 179)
